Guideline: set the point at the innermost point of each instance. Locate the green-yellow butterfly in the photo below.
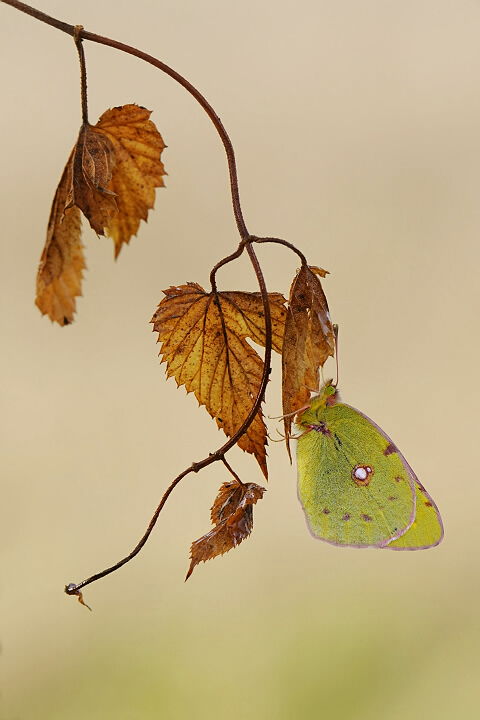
(356, 488)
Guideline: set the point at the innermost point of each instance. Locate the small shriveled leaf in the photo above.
(203, 341)
(307, 343)
(137, 146)
(59, 277)
(232, 515)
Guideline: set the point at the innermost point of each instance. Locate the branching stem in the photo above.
(79, 34)
(279, 241)
(85, 35)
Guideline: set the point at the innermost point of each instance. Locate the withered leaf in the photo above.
(111, 176)
(59, 276)
(203, 341)
(307, 343)
(137, 171)
(232, 515)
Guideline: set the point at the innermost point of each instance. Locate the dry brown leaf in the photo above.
(203, 338)
(59, 277)
(308, 341)
(137, 146)
(232, 515)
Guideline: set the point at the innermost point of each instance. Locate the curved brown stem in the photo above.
(223, 262)
(232, 471)
(79, 34)
(39, 15)
(279, 241)
(232, 166)
(73, 588)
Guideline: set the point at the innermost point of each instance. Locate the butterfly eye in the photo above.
(330, 390)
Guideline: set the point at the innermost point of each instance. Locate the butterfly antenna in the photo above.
(282, 437)
(295, 412)
(282, 417)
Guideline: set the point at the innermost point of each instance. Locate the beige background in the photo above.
(357, 131)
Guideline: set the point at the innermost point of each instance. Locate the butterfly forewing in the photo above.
(352, 482)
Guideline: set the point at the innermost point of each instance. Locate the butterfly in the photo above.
(355, 486)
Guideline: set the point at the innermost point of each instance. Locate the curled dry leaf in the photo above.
(203, 338)
(111, 177)
(232, 515)
(59, 278)
(307, 343)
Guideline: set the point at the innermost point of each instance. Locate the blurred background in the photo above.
(357, 133)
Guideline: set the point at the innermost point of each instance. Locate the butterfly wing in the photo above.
(354, 485)
(427, 529)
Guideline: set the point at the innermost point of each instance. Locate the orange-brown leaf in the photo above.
(203, 338)
(59, 276)
(308, 341)
(232, 515)
(137, 146)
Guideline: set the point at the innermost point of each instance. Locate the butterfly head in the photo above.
(327, 396)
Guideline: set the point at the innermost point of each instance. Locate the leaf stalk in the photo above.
(83, 72)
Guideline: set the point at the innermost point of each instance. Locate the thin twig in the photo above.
(232, 471)
(279, 241)
(223, 262)
(232, 167)
(73, 588)
(78, 34)
(83, 72)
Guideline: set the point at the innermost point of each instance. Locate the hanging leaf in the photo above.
(137, 146)
(111, 176)
(59, 277)
(232, 515)
(307, 343)
(203, 338)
